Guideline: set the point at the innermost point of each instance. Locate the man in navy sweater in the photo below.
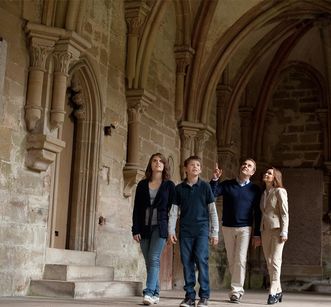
(241, 211)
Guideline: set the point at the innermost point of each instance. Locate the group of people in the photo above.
(249, 215)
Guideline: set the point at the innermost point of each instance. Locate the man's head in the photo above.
(247, 169)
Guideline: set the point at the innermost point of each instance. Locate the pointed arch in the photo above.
(86, 156)
(228, 44)
(320, 83)
(147, 42)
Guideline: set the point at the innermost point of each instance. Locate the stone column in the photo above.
(324, 26)
(223, 92)
(135, 15)
(262, 153)
(63, 55)
(246, 130)
(227, 161)
(183, 55)
(323, 118)
(39, 51)
(225, 150)
(137, 101)
(327, 165)
(187, 136)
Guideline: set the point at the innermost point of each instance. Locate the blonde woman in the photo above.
(274, 229)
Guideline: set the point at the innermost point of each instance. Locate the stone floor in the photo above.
(172, 298)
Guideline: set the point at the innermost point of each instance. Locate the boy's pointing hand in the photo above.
(217, 172)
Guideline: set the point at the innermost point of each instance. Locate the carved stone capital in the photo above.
(188, 132)
(138, 100)
(41, 151)
(135, 15)
(64, 55)
(39, 52)
(201, 139)
(184, 56)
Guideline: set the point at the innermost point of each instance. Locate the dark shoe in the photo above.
(272, 299)
(235, 299)
(279, 296)
(187, 302)
(203, 302)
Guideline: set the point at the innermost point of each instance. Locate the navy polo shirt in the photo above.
(193, 203)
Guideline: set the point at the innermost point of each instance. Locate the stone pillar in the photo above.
(225, 150)
(40, 49)
(246, 135)
(42, 147)
(324, 25)
(183, 55)
(262, 153)
(323, 118)
(137, 101)
(135, 15)
(3, 57)
(223, 92)
(327, 207)
(227, 161)
(63, 55)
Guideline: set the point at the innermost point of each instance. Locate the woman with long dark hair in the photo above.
(154, 196)
(274, 229)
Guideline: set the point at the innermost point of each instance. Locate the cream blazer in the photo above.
(274, 208)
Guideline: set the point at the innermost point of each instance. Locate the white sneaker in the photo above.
(148, 300)
(156, 299)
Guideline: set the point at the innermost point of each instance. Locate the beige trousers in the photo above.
(273, 250)
(236, 240)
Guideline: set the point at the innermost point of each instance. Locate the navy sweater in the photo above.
(241, 204)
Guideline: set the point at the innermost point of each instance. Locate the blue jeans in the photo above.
(195, 252)
(152, 249)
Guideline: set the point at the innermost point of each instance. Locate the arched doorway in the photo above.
(76, 168)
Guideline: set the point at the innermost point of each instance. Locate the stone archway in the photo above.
(77, 168)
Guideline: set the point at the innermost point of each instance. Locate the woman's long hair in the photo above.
(166, 169)
(278, 181)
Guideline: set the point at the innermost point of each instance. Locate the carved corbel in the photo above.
(137, 101)
(42, 150)
(183, 55)
(135, 15)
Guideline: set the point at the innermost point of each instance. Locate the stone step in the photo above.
(78, 272)
(66, 256)
(84, 289)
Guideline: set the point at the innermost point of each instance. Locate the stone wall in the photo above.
(24, 195)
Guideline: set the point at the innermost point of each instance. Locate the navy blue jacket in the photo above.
(164, 198)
